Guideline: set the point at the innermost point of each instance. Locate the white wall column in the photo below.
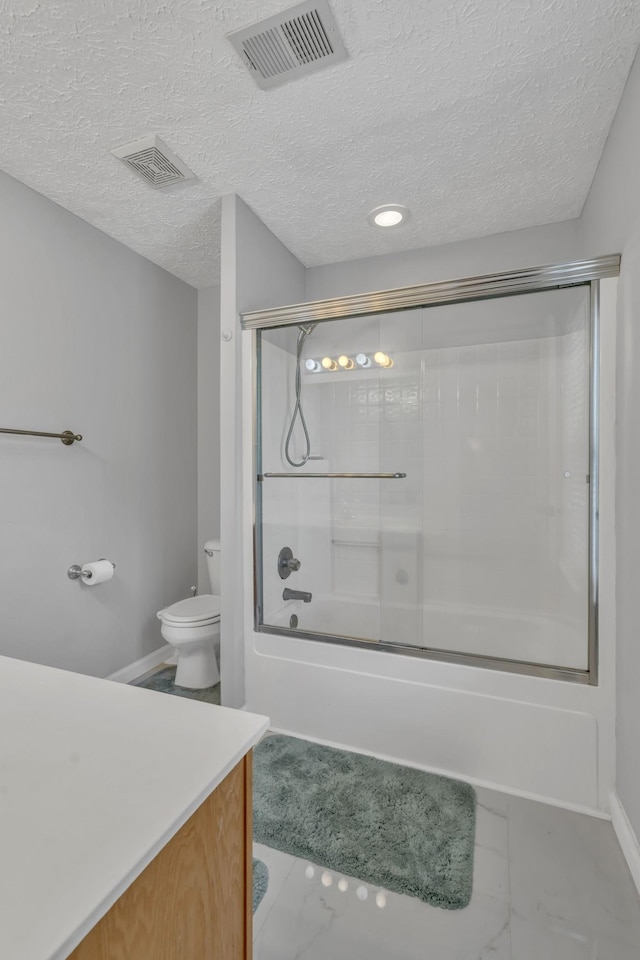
(257, 270)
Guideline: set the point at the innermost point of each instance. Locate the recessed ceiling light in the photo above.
(389, 215)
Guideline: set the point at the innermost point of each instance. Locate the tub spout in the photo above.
(296, 595)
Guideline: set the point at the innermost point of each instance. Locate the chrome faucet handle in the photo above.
(287, 563)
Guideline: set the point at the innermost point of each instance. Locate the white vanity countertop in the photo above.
(95, 778)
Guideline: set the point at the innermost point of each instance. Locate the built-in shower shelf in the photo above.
(374, 544)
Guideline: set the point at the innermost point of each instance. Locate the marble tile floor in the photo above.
(548, 885)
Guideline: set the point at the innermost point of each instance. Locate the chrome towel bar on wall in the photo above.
(67, 436)
(341, 476)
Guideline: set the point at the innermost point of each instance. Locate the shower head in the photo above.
(304, 329)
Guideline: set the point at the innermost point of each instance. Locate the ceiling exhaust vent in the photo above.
(291, 44)
(151, 159)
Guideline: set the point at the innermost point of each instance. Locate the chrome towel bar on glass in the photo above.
(67, 436)
(347, 476)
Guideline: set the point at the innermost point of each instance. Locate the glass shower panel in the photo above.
(506, 494)
(480, 547)
(401, 412)
(328, 523)
(363, 416)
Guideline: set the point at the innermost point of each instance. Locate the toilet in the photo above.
(192, 627)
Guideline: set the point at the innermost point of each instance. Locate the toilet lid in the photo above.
(193, 609)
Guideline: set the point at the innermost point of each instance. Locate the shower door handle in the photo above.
(336, 476)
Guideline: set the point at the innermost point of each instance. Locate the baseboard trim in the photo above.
(626, 837)
(474, 781)
(136, 669)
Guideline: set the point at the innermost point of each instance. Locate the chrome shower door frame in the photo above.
(529, 280)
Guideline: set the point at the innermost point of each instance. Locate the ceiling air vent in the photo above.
(151, 159)
(291, 44)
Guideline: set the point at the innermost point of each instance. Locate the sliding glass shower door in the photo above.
(444, 507)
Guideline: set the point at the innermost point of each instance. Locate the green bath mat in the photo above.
(260, 882)
(164, 681)
(391, 826)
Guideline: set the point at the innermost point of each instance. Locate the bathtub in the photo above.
(475, 630)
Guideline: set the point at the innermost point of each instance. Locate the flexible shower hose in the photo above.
(297, 410)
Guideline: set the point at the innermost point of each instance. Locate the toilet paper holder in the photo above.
(75, 570)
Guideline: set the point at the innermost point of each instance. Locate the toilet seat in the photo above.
(199, 611)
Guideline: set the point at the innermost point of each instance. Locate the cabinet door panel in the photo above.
(194, 899)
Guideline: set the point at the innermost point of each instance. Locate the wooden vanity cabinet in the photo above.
(194, 900)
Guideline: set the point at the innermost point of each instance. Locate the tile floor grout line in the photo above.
(284, 880)
(509, 874)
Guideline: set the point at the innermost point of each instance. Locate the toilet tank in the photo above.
(212, 550)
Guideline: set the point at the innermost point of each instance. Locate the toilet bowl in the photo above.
(192, 627)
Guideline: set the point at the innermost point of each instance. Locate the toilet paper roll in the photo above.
(97, 572)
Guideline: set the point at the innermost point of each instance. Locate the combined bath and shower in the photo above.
(303, 332)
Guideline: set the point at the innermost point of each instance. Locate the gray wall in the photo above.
(552, 243)
(98, 340)
(208, 425)
(611, 222)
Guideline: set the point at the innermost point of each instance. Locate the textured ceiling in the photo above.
(480, 115)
